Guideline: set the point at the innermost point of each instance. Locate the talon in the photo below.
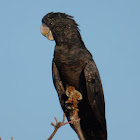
(68, 101)
(73, 93)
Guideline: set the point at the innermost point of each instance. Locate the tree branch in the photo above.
(58, 125)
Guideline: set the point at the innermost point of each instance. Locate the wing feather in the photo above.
(58, 85)
(95, 92)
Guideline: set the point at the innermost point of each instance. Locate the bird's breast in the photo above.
(70, 71)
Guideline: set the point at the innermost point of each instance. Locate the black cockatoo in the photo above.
(76, 77)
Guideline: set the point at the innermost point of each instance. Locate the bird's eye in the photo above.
(51, 24)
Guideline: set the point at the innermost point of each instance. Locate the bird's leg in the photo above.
(59, 124)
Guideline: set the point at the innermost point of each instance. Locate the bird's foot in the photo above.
(74, 98)
(73, 94)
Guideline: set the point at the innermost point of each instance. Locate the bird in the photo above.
(76, 77)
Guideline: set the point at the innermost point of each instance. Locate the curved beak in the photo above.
(46, 32)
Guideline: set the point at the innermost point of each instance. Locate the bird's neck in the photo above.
(68, 37)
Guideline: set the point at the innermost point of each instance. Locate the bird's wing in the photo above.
(58, 85)
(95, 92)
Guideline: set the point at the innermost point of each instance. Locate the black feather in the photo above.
(73, 66)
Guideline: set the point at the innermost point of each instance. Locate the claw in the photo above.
(72, 92)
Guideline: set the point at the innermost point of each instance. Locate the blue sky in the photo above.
(28, 100)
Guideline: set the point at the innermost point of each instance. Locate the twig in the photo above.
(58, 125)
(11, 138)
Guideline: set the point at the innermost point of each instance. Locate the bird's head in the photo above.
(59, 27)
